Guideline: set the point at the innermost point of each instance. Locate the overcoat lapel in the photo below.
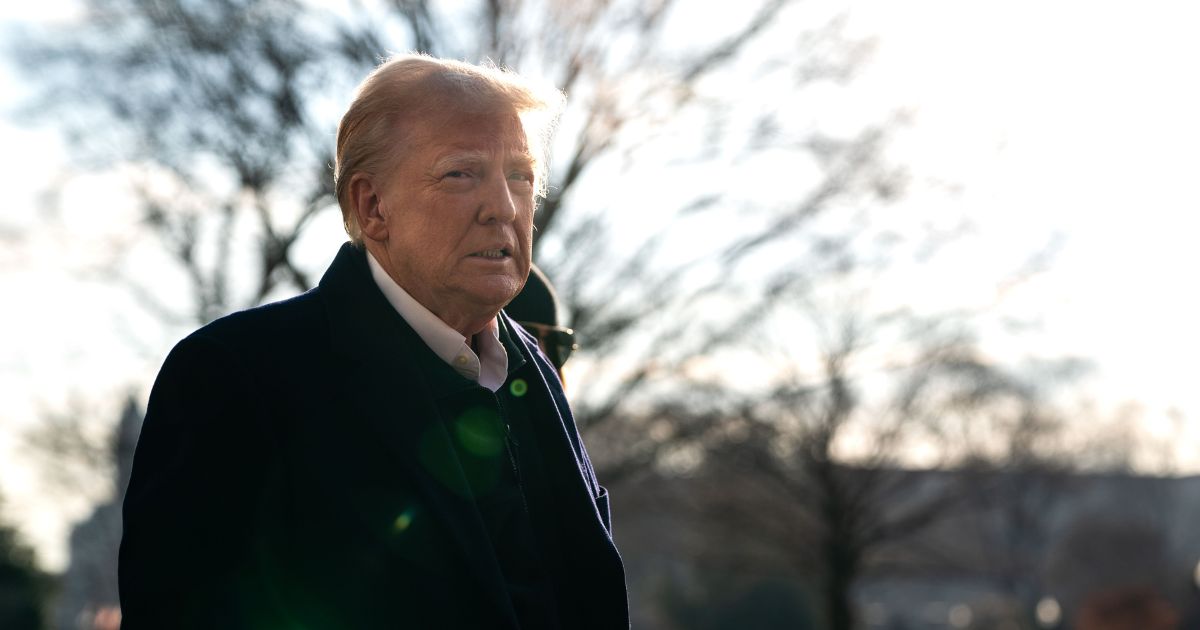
(391, 394)
(590, 566)
(566, 455)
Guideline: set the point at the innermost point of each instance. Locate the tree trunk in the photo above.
(841, 567)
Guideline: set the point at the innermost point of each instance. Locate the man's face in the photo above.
(459, 210)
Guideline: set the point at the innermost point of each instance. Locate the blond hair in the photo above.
(407, 89)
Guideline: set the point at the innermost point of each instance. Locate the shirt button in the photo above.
(461, 359)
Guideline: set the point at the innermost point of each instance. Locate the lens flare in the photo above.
(403, 521)
(518, 387)
(479, 431)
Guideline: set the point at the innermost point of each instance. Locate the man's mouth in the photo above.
(492, 253)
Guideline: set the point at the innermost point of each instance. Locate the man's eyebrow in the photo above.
(458, 158)
(473, 156)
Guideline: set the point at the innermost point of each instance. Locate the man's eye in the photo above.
(521, 176)
(457, 174)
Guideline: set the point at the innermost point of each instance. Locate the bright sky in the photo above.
(1077, 117)
(1070, 117)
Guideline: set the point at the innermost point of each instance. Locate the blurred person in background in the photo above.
(389, 449)
(537, 309)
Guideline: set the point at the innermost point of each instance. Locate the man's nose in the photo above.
(499, 203)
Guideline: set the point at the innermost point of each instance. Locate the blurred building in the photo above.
(88, 598)
(1050, 550)
(1028, 550)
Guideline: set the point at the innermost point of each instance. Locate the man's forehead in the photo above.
(465, 130)
(479, 142)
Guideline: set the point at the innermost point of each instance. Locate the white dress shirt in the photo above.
(489, 368)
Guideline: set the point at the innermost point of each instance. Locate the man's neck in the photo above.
(479, 357)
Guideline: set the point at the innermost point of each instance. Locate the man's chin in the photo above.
(494, 296)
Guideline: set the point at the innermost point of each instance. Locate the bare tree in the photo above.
(222, 115)
(75, 454)
(823, 469)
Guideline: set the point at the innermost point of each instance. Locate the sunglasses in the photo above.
(557, 342)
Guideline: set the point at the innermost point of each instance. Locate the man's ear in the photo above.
(365, 199)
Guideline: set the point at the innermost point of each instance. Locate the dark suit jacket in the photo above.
(293, 472)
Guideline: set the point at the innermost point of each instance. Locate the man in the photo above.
(387, 450)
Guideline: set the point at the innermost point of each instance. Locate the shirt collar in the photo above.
(489, 368)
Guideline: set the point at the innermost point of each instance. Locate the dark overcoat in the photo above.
(294, 472)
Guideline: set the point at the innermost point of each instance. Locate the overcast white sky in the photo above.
(1078, 117)
(1070, 117)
